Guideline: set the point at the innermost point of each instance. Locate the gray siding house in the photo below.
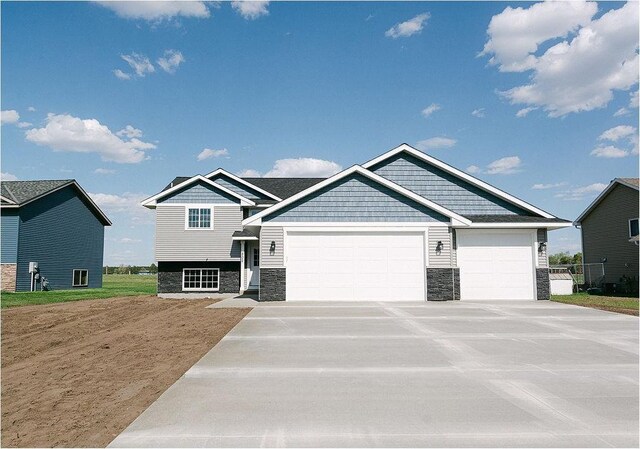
(609, 228)
(403, 226)
(55, 224)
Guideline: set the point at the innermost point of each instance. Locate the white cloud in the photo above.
(249, 173)
(524, 112)
(8, 177)
(473, 169)
(303, 167)
(31, 109)
(139, 63)
(577, 74)
(251, 10)
(435, 142)
(408, 28)
(516, 33)
(478, 113)
(433, 107)
(633, 100)
(25, 124)
(10, 116)
(548, 186)
(126, 206)
(622, 111)
(578, 193)
(505, 166)
(128, 240)
(130, 132)
(208, 153)
(104, 171)
(170, 61)
(621, 132)
(157, 11)
(71, 134)
(609, 152)
(617, 133)
(121, 75)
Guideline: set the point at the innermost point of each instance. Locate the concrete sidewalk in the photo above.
(506, 374)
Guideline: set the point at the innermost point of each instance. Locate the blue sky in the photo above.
(304, 89)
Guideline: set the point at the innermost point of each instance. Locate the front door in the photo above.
(253, 264)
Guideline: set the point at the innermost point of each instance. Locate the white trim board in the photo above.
(152, 202)
(546, 225)
(221, 171)
(459, 174)
(456, 219)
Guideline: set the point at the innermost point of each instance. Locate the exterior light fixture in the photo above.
(439, 246)
(542, 247)
(272, 248)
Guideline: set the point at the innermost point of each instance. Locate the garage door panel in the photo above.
(355, 266)
(496, 265)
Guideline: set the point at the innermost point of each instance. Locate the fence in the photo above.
(584, 276)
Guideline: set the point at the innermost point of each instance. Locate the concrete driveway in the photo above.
(398, 374)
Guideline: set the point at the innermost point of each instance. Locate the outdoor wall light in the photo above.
(439, 246)
(542, 247)
(272, 248)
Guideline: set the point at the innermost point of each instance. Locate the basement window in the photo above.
(80, 278)
(200, 279)
(633, 227)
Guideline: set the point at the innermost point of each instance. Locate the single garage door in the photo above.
(355, 266)
(496, 264)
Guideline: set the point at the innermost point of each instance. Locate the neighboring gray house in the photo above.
(56, 224)
(404, 226)
(609, 229)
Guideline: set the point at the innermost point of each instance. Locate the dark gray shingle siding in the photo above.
(443, 188)
(199, 192)
(356, 198)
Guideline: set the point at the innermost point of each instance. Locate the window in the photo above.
(256, 257)
(633, 227)
(200, 278)
(199, 218)
(80, 278)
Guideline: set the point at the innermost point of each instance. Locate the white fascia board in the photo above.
(151, 202)
(221, 171)
(600, 197)
(460, 174)
(541, 224)
(4, 198)
(257, 218)
(242, 239)
(355, 224)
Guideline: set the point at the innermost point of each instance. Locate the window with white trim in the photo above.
(80, 278)
(633, 227)
(200, 279)
(199, 218)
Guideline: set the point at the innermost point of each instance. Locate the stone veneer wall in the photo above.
(273, 284)
(8, 276)
(443, 284)
(170, 276)
(542, 283)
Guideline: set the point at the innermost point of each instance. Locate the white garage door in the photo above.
(350, 266)
(496, 265)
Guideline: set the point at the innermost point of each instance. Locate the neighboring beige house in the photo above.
(610, 231)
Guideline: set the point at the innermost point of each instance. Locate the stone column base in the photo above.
(543, 285)
(273, 284)
(443, 284)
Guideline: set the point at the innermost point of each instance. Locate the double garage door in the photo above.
(351, 266)
(390, 266)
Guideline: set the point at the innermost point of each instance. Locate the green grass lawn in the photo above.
(113, 285)
(612, 303)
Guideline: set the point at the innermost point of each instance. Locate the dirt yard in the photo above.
(77, 373)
